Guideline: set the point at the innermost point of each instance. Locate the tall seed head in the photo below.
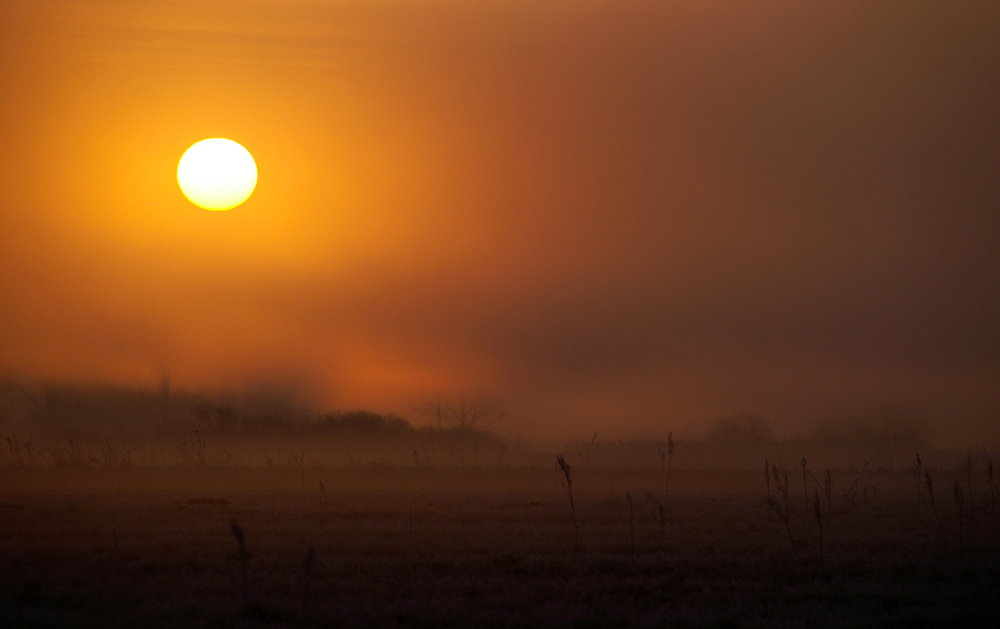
(237, 531)
(564, 466)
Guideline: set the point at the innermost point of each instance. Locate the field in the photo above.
(419, 547)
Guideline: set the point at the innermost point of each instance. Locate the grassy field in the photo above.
(154, 547)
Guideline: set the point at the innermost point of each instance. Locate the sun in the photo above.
(217, 174)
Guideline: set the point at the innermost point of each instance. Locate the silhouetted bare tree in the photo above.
(462, 412)
(435, 410)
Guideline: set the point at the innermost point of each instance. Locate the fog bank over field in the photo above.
(112, 426)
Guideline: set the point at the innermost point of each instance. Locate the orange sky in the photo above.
(618, 216)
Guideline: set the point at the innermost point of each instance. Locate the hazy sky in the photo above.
(617, 216)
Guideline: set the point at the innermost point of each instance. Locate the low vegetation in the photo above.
(122, 427)
(375, 549)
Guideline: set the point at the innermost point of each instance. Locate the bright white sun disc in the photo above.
(217, 174)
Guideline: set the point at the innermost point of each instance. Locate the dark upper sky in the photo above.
(619, 216)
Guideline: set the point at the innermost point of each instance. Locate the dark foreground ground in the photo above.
(484, 548)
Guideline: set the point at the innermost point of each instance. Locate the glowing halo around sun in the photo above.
(217, 174)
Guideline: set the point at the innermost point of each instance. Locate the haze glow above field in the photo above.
(625, 217)
(217, 174)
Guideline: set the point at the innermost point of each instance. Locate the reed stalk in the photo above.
(819, 521)
(960, 500)
(930, 493)
(244, 558)
(568, 486)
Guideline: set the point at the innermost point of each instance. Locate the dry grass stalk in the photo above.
(930, 492)
(781, 486)
(849, 495)
(767, 477)
(968, 473)
(805, 487)
(302, 469)
(918, 471)
(568, 486)
(662, 511)
(15, 451)
(631, 527)
(783, 507)
(993, 492)
(195, 452)
(244, 558)
(593, 440)
(960, 500)
(819, 521)
(670, 458)
(828, 492)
